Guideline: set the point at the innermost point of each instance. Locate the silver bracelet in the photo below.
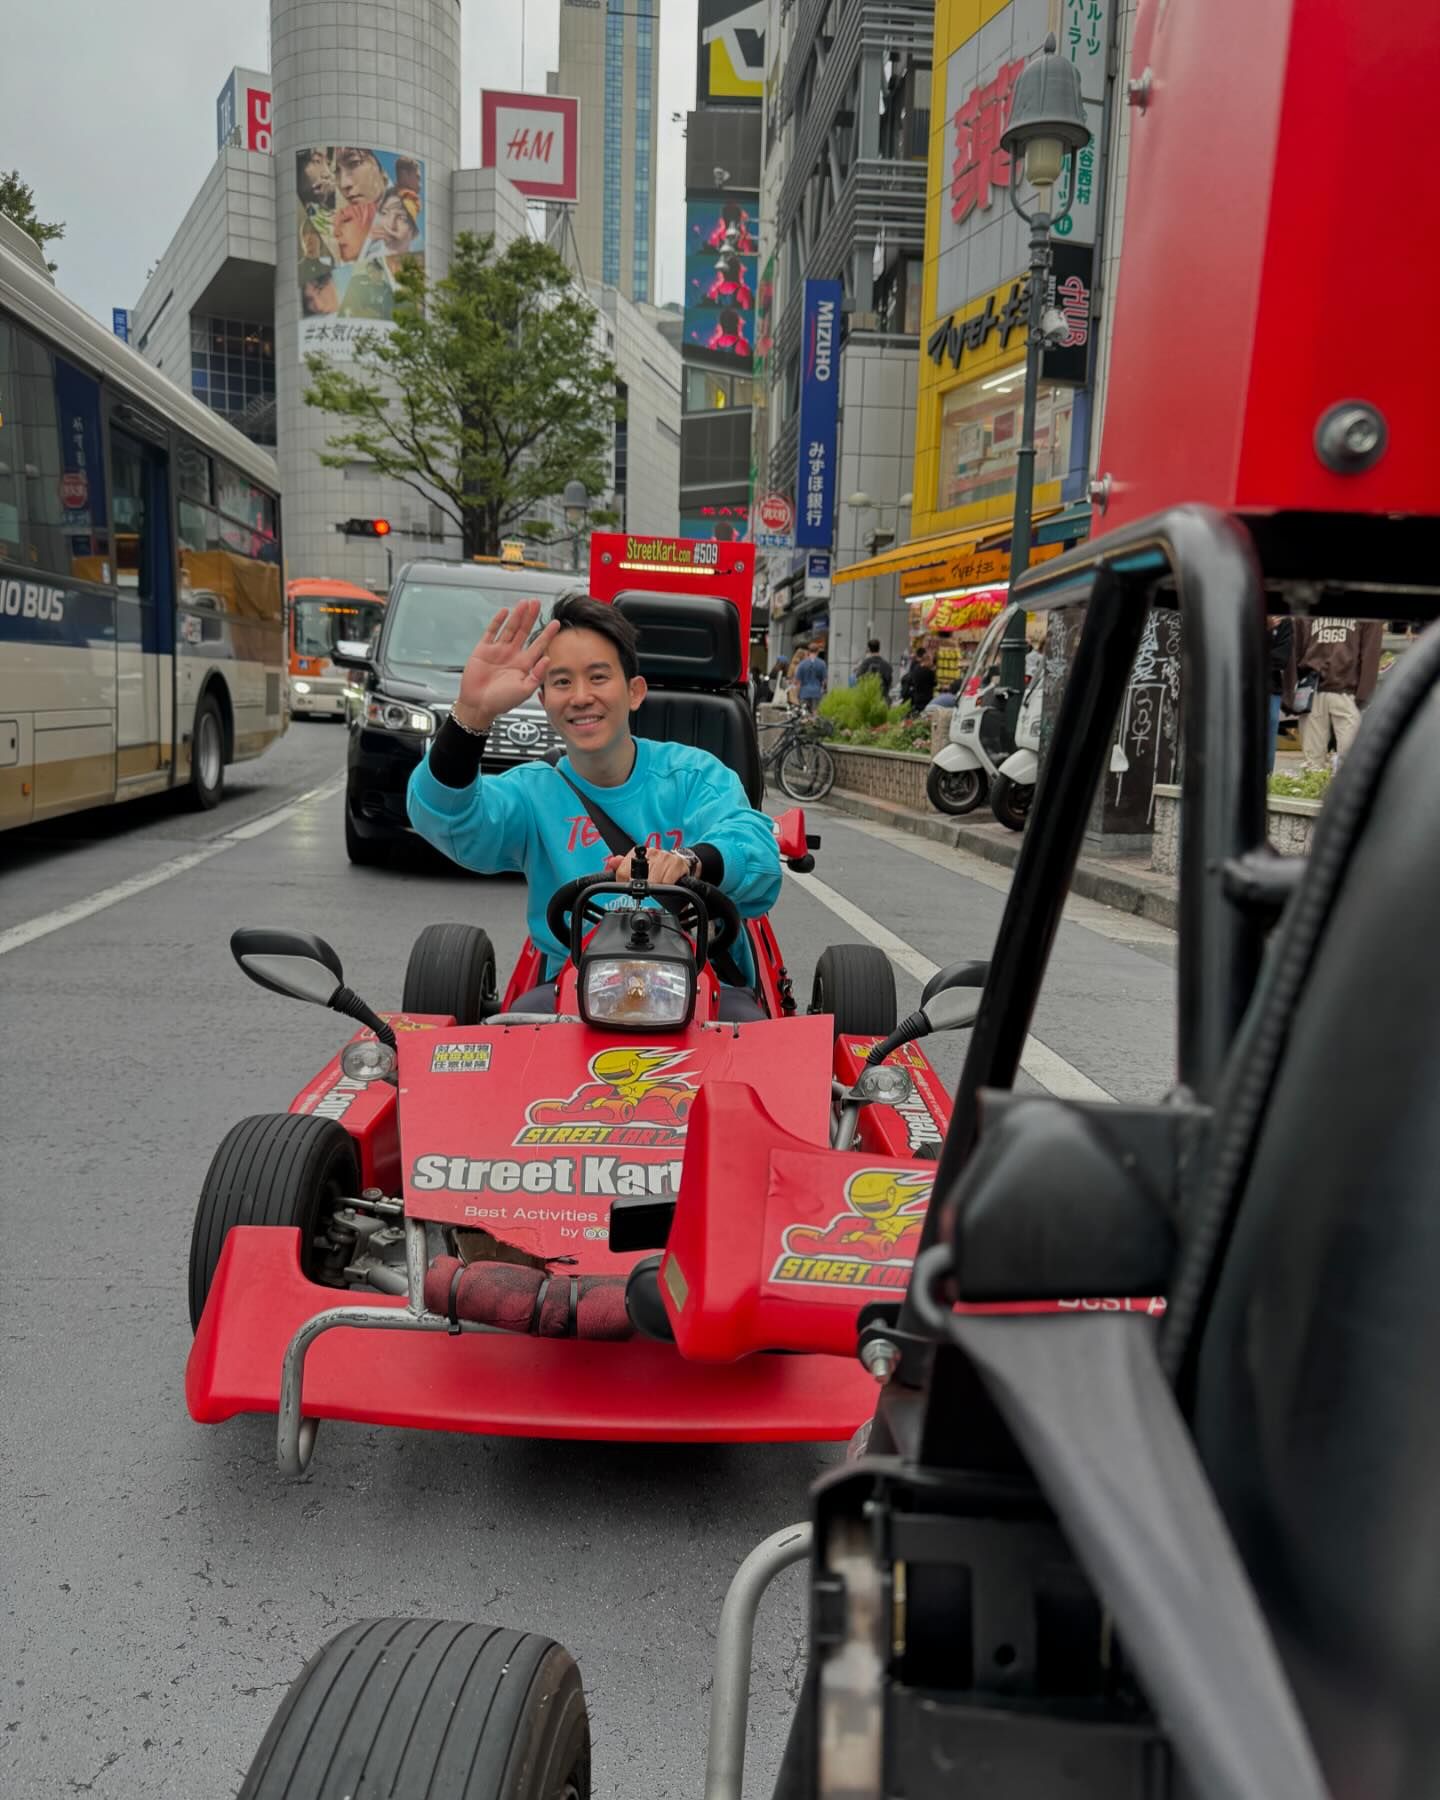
(469, 730)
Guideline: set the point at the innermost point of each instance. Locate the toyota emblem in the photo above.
(524, 732)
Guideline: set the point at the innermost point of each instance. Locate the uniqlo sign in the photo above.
(534, 141)
(242, 112)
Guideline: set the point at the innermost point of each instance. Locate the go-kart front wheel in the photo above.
(452, 970)
(401, 1707)
(855, 983)
(274, 1169)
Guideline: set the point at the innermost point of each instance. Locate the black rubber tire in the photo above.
(207, 755)
(1010, 801)
(856, 983)
(954, 791)
(452, 970)
(364, 852)
(806, 771)
(271, 1169)
(407, 1708)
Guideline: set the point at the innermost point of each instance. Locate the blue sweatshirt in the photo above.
(528, 821)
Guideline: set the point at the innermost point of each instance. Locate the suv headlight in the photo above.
(640, 994)
(398, 715)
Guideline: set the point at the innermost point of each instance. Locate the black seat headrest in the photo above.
(689, 639)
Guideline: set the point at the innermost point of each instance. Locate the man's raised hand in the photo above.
(504, 669)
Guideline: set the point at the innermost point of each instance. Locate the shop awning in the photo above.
(964, 559)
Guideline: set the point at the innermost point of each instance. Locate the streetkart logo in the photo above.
(638, 1097)
(872, 1244)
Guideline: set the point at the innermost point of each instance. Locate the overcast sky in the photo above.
(108, 111)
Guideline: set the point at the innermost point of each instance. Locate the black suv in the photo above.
(410, 676)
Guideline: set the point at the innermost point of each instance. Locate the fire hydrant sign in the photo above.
(533, 140)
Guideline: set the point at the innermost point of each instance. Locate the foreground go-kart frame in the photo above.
(1065, 1553)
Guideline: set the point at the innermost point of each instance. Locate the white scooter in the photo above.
(1013, 788)
(962, 770)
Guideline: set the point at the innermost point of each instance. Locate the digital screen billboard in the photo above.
(722, 244)
(360, 221)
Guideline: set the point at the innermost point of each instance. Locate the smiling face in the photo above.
(586, 695)
(320, 177)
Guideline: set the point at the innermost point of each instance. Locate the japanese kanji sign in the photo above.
(819, 411)
(980, 165)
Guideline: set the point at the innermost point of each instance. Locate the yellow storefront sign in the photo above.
(967, 569)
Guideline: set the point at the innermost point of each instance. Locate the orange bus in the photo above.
(322, 612)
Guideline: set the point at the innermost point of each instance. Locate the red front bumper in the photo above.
(492, 1382)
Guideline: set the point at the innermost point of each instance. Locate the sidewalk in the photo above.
(1127, 883)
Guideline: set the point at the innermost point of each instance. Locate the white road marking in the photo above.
(1090, 915)
(282, 815)
(1039, 1061)
(20, 935)
(17, 936)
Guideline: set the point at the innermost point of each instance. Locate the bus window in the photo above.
(321, 623)
(53, 515)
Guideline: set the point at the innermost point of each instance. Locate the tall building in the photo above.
(724, 233)
(291, 245)
(847, 127)
(609, 61)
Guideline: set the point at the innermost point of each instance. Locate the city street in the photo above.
(165, 1583)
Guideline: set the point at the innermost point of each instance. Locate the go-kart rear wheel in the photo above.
(411, 1707)
(274, 1169)
(452, 970)
(856, 983)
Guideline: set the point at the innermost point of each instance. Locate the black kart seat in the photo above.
(1316, 1362)
(692, 658)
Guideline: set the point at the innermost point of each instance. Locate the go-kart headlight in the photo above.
(398, 715)
(368, 1060)
(300, 687)
(637, 993)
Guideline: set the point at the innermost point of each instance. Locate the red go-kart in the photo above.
(594, 1223)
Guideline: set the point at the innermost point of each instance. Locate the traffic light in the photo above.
(375, 528)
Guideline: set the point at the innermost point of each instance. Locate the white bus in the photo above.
(142, 633)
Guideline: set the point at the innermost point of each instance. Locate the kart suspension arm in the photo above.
(734, 1652)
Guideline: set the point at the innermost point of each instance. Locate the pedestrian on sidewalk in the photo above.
(873, 663)
(918, 686)
(1343, 658)
(811, 677)
(1282, 676)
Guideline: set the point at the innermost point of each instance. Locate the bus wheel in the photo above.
(207, 755)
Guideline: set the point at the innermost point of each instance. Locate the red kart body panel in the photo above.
(494, 1383)
(545, 1125)
(915, 1129)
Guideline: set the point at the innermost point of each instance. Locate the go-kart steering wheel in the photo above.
(714, 909)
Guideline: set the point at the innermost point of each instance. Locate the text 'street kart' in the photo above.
(1106, 1547)
(488, 1189)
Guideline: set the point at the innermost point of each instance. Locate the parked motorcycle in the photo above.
(1013, 787)
(962, 770)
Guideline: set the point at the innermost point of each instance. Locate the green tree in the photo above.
(487, 395)
(17, 202)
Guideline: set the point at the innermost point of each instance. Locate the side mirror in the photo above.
(352, 653)
(293, 963)
(956, 975)
(953, 1007)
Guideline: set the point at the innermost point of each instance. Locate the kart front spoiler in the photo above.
(271, 1341)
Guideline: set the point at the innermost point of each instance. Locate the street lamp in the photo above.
(861, 502)
(1047, 124)
(576, 501)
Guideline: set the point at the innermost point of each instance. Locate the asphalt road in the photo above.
(163, 1583)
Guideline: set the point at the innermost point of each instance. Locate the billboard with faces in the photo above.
(360, 221)
(722, 256)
